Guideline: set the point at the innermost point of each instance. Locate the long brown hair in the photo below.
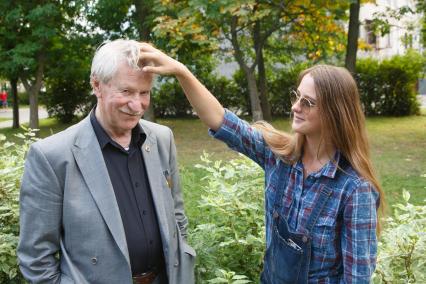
(342, 124)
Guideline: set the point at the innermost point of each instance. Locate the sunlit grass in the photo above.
(398, 146)
(398, 149)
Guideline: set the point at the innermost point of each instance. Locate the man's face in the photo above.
(123, 100)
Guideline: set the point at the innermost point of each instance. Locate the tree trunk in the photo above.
(256, 109)
(143, 11)
(353, 32)
(263, 90)
(15, 102)
(33, 98)
(34, 89)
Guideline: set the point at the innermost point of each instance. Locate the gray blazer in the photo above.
(71, 229)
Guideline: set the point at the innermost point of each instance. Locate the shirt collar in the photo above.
(138, 135)
(331, 167)
(329, 170)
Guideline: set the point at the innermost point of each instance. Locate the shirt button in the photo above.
(136, 184)
(94, 260)
(176, 263)
(275, 214)
(144, 212)
(304, 239)
(151, 242)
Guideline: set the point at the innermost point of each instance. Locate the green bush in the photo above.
(229, 226)
(229, 230)
(281, 83)
(67, 80)
(68, 93)
(402, 246)
(23, 98)
(11, 169)
(388, 87)
(170, 101)
(229, 233)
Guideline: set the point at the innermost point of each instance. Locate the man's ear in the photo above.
(96, 87)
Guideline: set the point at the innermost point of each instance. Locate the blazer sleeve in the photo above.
(180, 216)
(40, 220)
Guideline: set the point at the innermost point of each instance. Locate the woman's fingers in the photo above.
(148, 56)
(147, 47)
(153, 69)
(158, 62)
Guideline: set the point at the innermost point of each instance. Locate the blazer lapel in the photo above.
(155, 175)
(89, 158)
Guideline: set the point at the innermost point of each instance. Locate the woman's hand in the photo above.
(204, 103)
(155, 61)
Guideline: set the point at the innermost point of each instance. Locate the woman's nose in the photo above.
(296, 106)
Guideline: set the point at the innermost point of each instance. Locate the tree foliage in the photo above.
(28, 31)
(67, 83)
(243, 29)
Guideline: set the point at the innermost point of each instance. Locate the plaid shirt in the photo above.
(344, 243)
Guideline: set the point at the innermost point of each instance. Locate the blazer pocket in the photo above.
(188, 249)
(168, 177)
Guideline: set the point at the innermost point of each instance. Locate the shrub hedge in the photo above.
(388, 87)
(229, 228)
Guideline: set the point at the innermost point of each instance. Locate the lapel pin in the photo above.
(147, 148)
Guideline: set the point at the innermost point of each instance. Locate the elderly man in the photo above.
(101, 201)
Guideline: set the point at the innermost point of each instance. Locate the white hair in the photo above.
(110, 55)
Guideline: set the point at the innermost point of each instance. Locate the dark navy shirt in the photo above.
(129, 179)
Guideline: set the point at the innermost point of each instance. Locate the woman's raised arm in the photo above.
(208, 108)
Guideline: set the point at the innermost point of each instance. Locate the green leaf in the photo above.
(406, 195)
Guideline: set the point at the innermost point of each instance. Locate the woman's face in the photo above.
(306, 118)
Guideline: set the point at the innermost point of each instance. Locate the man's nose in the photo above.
(135, 103)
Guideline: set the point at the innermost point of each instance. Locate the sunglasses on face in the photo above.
(305, 103)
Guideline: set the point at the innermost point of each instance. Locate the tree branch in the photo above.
(234, 40)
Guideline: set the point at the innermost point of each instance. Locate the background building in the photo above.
(404, 33)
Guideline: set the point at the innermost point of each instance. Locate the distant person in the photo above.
(322, 195)
(3, 98)
(101, 201)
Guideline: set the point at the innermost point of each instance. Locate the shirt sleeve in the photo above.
(359, 240)
(242, 137)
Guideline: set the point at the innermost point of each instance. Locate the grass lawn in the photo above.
(398, 150)
(48, 126)
(4, 119)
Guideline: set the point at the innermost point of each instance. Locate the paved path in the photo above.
(422, 100)
(24, 115)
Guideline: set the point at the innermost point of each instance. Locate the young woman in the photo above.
(322, 196)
